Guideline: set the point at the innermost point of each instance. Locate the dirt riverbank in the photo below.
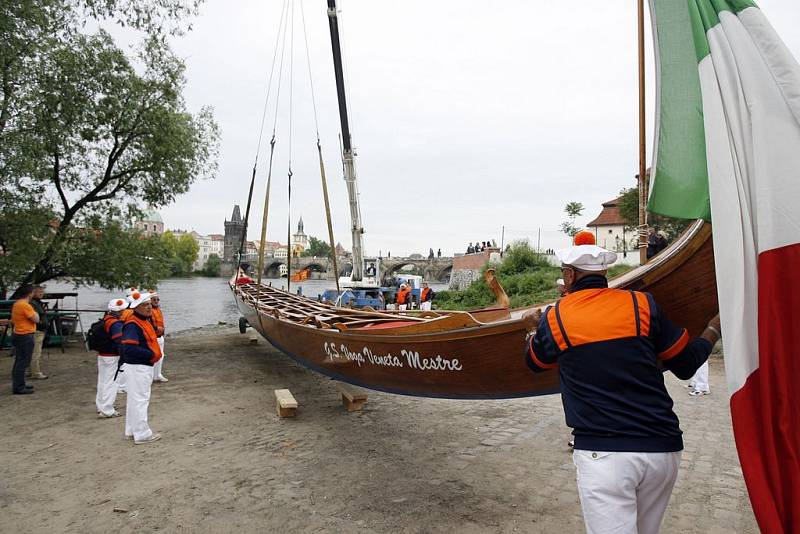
(228, 464)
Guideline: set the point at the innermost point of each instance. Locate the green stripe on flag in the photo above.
(680, 184)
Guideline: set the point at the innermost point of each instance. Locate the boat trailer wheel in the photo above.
(243, 324)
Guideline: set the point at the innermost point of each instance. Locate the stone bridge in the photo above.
(436, 269)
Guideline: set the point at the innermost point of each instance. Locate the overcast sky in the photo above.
(466, 116)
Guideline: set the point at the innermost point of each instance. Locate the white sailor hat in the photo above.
(130, 291)
(118, 304)
(586, 257)
(139, 298)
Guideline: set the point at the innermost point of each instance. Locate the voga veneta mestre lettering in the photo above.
(412, 358)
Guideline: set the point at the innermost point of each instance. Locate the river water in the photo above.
(186, 302)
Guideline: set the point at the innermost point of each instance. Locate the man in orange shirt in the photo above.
(24, 318)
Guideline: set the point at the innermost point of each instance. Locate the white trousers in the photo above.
(402, 306)
(106, 387)
(425, 305)
(700, 378)
(625, 492)
(139, 380)
(159, 363)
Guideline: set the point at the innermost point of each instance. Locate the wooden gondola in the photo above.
(454, 354)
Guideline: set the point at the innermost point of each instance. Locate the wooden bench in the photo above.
(352, 398)
(285, 403)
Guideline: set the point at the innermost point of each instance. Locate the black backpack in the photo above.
(98, 339)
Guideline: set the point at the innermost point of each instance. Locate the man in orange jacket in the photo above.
(157, 318)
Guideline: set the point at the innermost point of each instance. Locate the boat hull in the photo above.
(485, 362)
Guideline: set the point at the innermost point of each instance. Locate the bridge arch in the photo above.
(273, 269)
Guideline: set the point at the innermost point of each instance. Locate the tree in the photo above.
(180, 252)
(212, 266)
(89, 138)
(629, 209)
(573, 211)
(317, 247)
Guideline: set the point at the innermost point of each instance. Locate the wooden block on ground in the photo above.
(285, 403)
(254, 340)
(353, 398)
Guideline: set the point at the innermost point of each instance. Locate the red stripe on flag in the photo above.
(766, 410)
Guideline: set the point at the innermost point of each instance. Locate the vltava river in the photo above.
(186, 302)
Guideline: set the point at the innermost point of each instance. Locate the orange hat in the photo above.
(584, 237)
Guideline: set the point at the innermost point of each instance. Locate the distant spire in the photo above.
(300, 225)
(237, 215)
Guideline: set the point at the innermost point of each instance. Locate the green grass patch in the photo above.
(527, 277)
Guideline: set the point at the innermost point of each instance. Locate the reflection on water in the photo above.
(186, 302)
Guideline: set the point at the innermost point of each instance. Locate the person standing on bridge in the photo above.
(426, 297)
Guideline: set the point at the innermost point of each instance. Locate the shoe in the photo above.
(101, 415)
(40, 376)
(690, 385)
(697, 393)
(151, 439)
(24, 392)
(161, 378)
(28, 386)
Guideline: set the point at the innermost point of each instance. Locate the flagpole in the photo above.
(642, 145)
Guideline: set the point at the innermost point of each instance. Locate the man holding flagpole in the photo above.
(611, 347)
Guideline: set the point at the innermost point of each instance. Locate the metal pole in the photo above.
(642, 144)
(262, 245)
(328, 215)
(539, 240)
(502, 240)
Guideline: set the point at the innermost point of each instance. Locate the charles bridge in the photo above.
(434, 269)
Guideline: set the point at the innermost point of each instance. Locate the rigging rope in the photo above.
(281, 28)
(258, 150)
(319, 151)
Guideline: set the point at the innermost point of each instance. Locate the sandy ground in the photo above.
(228, 464)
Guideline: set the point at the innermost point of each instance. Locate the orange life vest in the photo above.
(149, 335)
(424, 295)
(158, 320)
(402, 296)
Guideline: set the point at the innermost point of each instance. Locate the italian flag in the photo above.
(728, 150)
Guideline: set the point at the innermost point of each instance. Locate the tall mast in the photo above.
(348, 158)
(642, 143)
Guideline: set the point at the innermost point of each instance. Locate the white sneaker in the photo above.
(698, 392)
(161, 378)
(153, 437)
(102, 415)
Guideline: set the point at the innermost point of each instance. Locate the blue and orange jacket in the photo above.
(139, 342)
(610, 347)
(113, 327)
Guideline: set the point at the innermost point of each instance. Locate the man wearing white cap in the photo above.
(108, 360)
(610, 346)
(139, 351)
